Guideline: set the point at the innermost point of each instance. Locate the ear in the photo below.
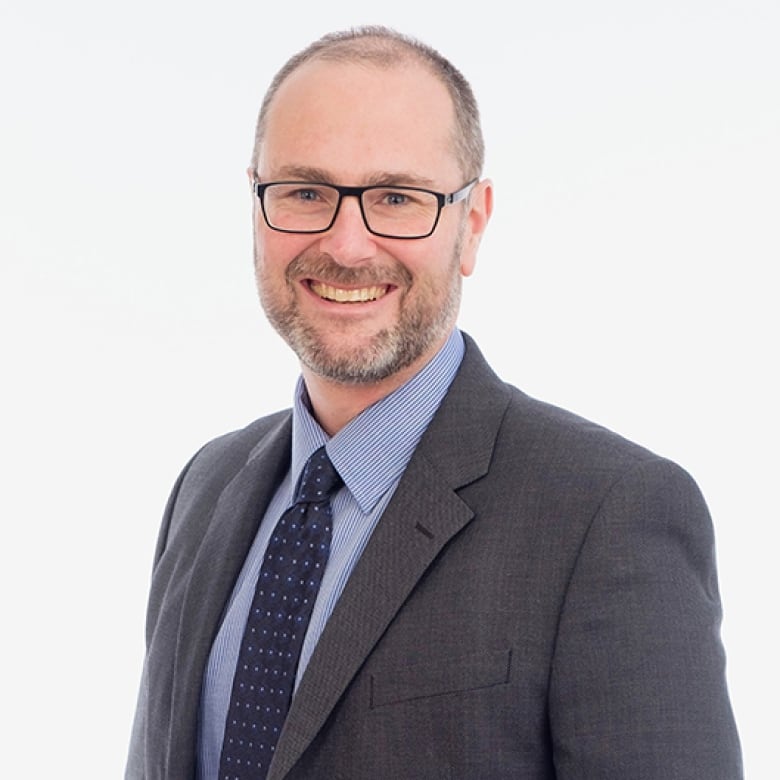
(252, 176)
(480, 205)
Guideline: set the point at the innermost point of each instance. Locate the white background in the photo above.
(629, 274)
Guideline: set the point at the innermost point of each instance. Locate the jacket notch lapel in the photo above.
(424, 514)
(220, 556)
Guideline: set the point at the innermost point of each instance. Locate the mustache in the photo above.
(324, 268)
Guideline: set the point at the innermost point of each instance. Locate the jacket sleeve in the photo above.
(637, 687)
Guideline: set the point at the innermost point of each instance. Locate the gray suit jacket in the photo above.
(539, 600)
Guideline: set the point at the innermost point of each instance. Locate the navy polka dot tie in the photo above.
(286, 590)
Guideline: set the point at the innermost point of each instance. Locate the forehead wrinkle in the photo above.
(382, 178)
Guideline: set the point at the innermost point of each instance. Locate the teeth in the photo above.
(341, 295)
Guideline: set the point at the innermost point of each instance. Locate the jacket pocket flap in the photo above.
(441, 676)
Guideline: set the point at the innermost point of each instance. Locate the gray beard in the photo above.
(391, 350)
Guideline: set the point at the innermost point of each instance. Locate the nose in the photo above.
(348, 240)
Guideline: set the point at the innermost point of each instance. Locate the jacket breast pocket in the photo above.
(440, 676)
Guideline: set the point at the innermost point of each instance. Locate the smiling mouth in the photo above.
(341, 295)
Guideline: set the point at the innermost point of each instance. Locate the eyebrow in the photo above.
(383, 178)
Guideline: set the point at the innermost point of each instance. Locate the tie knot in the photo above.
(319, 479)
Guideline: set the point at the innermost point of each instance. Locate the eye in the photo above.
(306, 194)
(396, 198)
(386, 198)
(301, 195)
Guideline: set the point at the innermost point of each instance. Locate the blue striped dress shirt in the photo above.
(370, 453)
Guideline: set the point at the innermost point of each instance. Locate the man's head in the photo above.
(366, 108)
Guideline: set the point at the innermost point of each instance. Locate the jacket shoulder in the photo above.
(230, 451)
(213, 466)
(560, 436)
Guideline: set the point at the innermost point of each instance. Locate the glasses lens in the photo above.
(400, 212)
(300, 207)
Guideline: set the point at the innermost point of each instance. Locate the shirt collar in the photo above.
(372, 450)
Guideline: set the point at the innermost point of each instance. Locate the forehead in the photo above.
(357, 121)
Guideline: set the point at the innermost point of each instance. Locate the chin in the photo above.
(373, 360)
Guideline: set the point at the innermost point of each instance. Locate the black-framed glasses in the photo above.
(390, 212)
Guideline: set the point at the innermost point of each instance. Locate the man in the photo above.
(494, 587)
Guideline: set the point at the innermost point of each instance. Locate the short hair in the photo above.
(384, 47)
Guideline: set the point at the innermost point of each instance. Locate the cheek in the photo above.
(274, 251)
(436, 262)
(426, 256)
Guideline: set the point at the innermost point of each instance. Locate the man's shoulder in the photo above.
(238, 445)
(571, 462)
(250, 435)
(552, 427)
(221, 458)
(538, 427)
(215, 465)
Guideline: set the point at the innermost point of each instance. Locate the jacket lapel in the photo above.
(424, 514)
(231, 530)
